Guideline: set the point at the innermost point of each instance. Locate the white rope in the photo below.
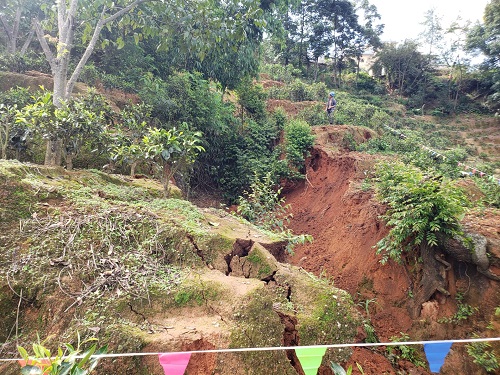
(275, 348)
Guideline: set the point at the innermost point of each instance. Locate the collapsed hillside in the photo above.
(335, 204)
(107, 256)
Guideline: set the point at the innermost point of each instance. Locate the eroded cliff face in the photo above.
(335, 204)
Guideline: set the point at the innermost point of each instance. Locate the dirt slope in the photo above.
(338, 209)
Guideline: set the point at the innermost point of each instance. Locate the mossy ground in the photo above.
(108, 257)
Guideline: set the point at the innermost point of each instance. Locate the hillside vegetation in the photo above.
(168, 182)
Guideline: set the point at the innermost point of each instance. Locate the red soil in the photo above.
(340, 212)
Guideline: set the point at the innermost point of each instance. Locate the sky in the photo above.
(402, 18)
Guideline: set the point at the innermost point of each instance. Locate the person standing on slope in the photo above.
(330, 107)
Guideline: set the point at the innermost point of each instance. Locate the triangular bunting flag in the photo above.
(310, 359)
(174, 363)
(436, 353)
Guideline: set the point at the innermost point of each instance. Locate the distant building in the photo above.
(367, 61)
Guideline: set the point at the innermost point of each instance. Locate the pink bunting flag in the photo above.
(174, 363)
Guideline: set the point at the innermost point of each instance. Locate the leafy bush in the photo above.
(19, 96)
(18, 63)
(76, 122)
(363, 81)
(263, 205)
(279, 118)
(281, 73)
(298, 142)
(89, 75)
(252, 98)
(464, 311)
(71, 361)
(491, 190)
(299, 91)
(419, 207)
(407, 352)
(314, 115)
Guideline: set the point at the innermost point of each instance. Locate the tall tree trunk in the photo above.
(59, 61)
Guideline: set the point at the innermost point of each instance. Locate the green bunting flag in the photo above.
(310, 359)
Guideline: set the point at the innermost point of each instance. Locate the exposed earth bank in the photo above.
(335, 204)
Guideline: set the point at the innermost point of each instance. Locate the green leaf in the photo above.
(87, 355)
(23, 352)
(31, 370)
(337, 369)
(66, 368)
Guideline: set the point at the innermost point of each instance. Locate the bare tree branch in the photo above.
(93, 41)
(28, 41)
(45, 46)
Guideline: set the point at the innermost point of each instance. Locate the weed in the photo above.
(406, 352)
(70, 361)
(464, 311)
(365, 304)
(483, 355)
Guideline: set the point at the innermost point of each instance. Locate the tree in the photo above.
(57, 38)
(174, 150)
(404, 66)
(336, 22)
(369, 37)
(232, 48)
(14, 19)
(485, 38)
(433, 32)
(70, 19)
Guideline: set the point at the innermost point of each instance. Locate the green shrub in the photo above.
(298, 91)
(464, 311)
(68, 361)
(314, 115)
(407, 352)
(419, 207)
(491, 190)
(18, 63)
(252, 98)
(263, 204)
(298, 142)
(362, 81)
(279, 118)
(281, 73)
